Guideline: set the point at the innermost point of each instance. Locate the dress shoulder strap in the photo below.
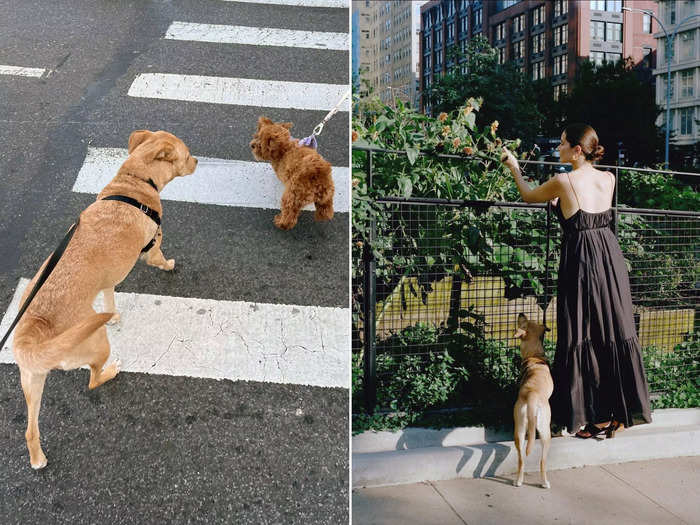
(572, 189)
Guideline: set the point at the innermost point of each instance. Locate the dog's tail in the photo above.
(65, 340)
(532, 403)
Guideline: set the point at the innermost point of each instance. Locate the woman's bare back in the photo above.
(588, 189)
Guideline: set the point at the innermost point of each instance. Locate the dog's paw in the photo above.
(518, 482)
(546, 485)
(282, 224)
(40, 462)
(115, 319)
(169, 265)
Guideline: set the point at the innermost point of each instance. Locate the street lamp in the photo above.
(669, 50)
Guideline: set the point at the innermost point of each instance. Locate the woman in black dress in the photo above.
(599, 379)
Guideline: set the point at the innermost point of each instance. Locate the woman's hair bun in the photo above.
(597, 154)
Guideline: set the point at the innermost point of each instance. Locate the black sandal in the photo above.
(594, 431)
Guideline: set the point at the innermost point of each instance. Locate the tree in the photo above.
(509, 96)
(620, 107)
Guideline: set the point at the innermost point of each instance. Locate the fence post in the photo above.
(617, 182)
(370, 300)
(546, 264)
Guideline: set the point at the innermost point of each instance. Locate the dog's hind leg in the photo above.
(289, 210)
(33, 387)
(520, 419)
(108, 294)
(324, 207)
(99, 354)
(546, 438)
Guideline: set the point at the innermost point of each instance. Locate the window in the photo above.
(664, 79)
(463, 25)
(670, 12)
(613, 57)
(597, 57)
(613, 5)
(647, 24)
(450, 32)
(438, 38)
(687, 83)
(502, 55)
(500, 31)
(518, 49)
(477, 17)
(518, 23)
(450, 8)
(561, 35)
(597, 5)
(560, 65)
(686, 121)
(538, 43)
(687, 45)
(538, 15)
(426, 42)
(538, 70)
(561, 7)
(558, 90)
(613, 32)
(598, 30)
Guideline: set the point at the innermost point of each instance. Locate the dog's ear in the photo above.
(137, 137)
(264, 121)
(287, 125)
(520, 333)
(160, 150)
(522, 320)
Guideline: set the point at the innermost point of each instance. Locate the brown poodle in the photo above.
(305, 174)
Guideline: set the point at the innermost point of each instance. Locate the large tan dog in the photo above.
(60, 329)
(531, 410)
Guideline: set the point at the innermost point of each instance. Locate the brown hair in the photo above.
(585, 136)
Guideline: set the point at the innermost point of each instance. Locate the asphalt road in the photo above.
(162, 449)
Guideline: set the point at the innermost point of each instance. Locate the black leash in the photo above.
(50, 265)
(56, 255)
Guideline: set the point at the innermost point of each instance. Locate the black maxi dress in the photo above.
(598, 369)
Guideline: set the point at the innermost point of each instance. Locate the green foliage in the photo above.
(674, 376)
(656, 191)
(484, 377)
(509, 95)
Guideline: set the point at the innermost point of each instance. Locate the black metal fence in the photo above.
(440, 275)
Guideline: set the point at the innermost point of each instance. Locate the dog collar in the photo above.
(152, 214)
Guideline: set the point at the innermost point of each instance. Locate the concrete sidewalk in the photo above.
(660, 491)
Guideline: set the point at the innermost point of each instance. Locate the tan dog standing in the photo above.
(305, 174)
(531, 411)
(60, 329)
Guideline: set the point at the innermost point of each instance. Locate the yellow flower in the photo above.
(446, 130)
(442, 117)
(355, 182)
(468, 150)
(456, 142)
(359, 244)
(494, 126)
(354, 136)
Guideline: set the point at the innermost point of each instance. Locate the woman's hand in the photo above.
(509, 160)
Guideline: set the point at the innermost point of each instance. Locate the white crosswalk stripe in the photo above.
(216, 181)
(300, 3)
(21, 71)
(235, 340)
(259, 36)
(239, 91)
